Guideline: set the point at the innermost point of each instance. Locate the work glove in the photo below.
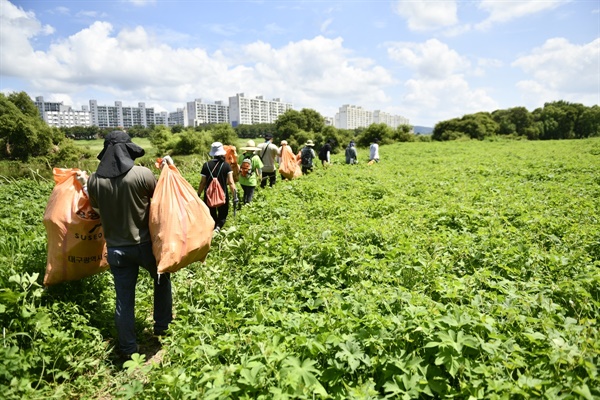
(82, 178)
(166, 160)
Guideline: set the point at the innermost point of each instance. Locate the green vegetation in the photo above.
(556, 120)
(465, 270)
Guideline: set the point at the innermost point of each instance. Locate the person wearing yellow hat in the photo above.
(250, 170)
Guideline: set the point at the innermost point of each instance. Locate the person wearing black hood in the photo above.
(121, 191)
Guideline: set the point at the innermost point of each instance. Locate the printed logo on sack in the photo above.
(95, 236)
(84, 259)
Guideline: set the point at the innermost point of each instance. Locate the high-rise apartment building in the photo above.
(199, 113)
(394, 121)
(178, 117)
(125, 117)
(247, 111)
(57, 114)
(352, 117)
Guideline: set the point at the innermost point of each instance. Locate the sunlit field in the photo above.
(466, 270)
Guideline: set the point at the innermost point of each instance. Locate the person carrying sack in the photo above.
(250, 170)
(219, 171)
(120, 192)
(267, 152)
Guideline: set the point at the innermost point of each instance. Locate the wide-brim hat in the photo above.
(250, 146)
(309, 143)
(116, 158)
(216, 149)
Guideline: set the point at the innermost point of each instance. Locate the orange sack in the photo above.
(231, 157)
(76, 245)
(289, 166)
(180, 223)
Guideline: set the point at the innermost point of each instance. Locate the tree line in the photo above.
(23, 134)
(555, 120)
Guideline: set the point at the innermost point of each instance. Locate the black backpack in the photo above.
(306, 156)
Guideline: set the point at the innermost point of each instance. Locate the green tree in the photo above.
(403, 133)
(382, 132)
(588, 124)
(224, 133)
(23, 133)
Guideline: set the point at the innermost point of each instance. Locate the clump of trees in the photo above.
(184, 141)
(556, 120)
(299, 126)
(24, 135)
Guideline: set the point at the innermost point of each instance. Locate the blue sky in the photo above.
(426, 60)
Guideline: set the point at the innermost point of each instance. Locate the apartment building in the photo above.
(248, 111)
(178, 117)
(200, 113)
(125, 117)
(394, 121)
(57, 114)
(352, 117)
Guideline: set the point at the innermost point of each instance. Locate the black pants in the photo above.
(272, 177)
(248, 193)
(219, 214)
(306, 169)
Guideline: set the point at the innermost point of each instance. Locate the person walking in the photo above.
(351, 153)
(307, 155)
(267, 152)
(374, 151)
(325, 153)
(219, 169)
(120, 192)
(289, 167)
(250, 170)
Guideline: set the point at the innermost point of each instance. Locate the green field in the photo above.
(466, 270)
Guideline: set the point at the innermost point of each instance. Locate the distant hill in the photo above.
(422, 130)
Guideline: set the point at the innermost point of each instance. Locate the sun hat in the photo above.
(216, 149)
(250, 146)
(116, 158)
(283, 142)
(309, 143)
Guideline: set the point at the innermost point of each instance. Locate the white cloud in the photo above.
(18, 27)
(502, 11)
(142, 3)
(325, 25)
(135, 65)
(430, 60)
(91, 14)
(439, 88)
(427, 15)
(562, 70)
(223, 29)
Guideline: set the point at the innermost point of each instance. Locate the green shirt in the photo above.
(124, 204)
(256, 166)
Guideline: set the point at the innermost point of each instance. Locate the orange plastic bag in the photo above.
(231, 157)
(289, 166)
(180, 223)
(76, 245)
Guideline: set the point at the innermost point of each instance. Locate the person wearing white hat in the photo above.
(307, 155)
(219, 169)
(250, 170)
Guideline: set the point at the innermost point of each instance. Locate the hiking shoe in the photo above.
(160, 332)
